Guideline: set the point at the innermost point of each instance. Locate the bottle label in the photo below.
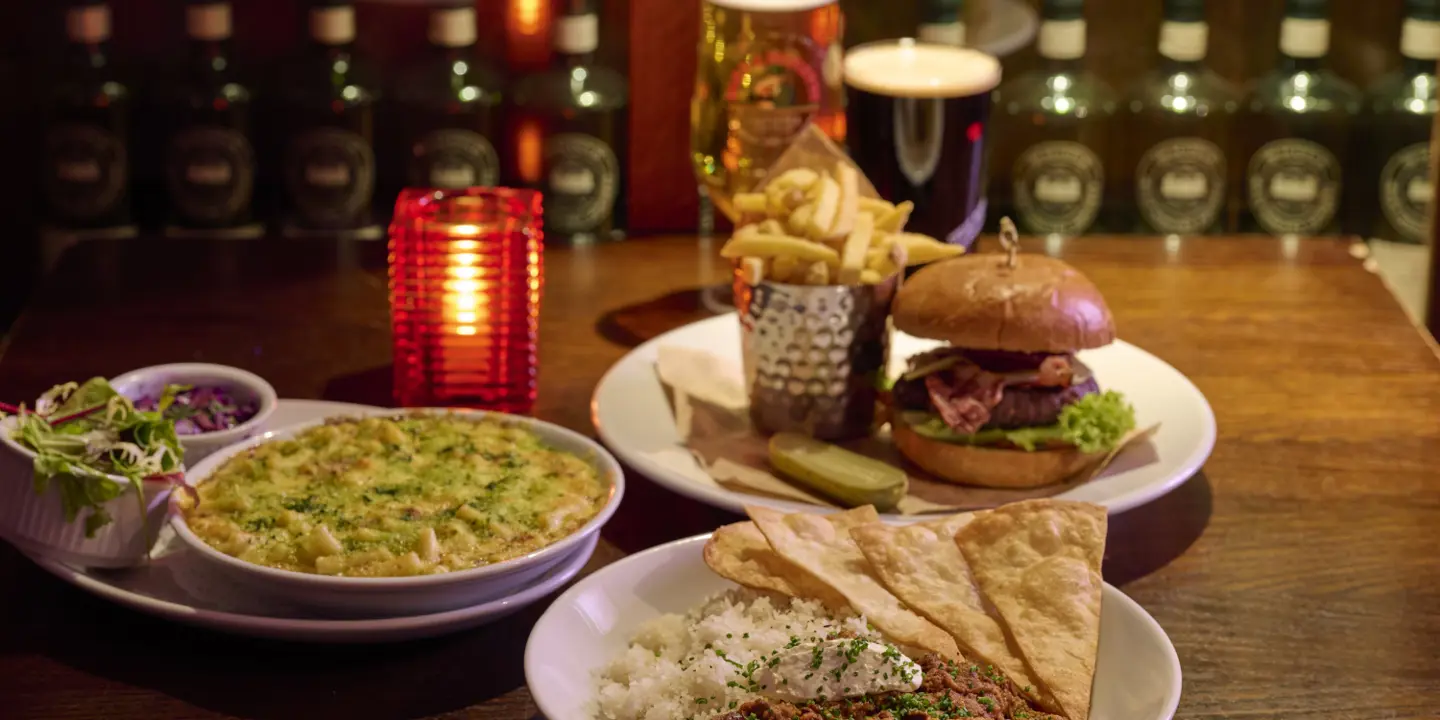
(1294, 187)
(453, 159)
(581, 184)
(87, 171)
(330, 175)
(211, 174)
(1180, 185)
(1405, 191)
(773, 95)
(1058, 187)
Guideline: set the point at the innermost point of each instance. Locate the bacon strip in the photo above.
(965, 394)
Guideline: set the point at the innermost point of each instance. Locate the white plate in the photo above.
(634, 420)
(1137, 675)
(177, 586)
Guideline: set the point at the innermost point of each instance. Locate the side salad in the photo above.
(82, 434)
(198, 410)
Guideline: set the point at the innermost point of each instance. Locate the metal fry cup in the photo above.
(812, 354)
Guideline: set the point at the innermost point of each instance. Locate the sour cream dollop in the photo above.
(840, 668)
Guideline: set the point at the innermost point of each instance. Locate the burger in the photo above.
(1005, 402)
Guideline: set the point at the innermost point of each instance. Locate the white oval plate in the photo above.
(177, 586)
(1137, 674)
(634, 420)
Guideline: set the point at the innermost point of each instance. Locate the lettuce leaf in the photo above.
(79, 454)
(1095, 423)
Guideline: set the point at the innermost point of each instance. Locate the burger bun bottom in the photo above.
(990, 467)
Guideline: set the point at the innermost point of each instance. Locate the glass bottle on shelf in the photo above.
(210, 163)
(85, 179)
(1177, 130)
(1052, 133)
(1296, 134)
(329, 115)
(449, 109)
(1394, 200)
(568, 132)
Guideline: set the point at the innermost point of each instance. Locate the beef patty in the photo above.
(948, 691)
(1019, 406)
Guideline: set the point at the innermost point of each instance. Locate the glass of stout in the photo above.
(917, 123)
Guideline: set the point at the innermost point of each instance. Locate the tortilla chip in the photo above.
(825, 549)
(1038, 563)
(922, 566)
(740, 553)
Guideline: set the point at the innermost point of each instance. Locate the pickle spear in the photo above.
(851, 478)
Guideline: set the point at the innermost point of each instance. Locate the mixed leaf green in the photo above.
(1095, 423)
(83, 434)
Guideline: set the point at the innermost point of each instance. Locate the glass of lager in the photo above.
(918, 129)
(766, 69)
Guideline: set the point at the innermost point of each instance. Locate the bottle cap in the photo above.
(89, 23)
(1307, 9)
(1422, 9)
(453, 26)
(208, 20)
(1062, 9)
(939, 12)
(332, 24)
(1183, 11)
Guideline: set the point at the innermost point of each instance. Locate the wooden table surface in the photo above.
(1298, 574)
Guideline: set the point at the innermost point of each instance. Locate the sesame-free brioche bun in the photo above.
(980, 302)
(987, 466)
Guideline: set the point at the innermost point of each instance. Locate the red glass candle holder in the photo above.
(465, 282)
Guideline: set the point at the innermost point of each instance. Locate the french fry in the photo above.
(849, 206)
(798, 179)
(852, 257)
(799, 220)
(783, 268)
(752, 270)
(894, 221)
(818, 273)
(879, 253)
(758, 244)
(875, 206)
(923, 249)
(750, 203)
(772, 227)
(827, 205)
(870, 277)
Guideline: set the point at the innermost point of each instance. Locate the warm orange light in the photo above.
(527, 17)
(825, 25)
(530, 151)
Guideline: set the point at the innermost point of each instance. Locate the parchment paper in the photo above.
(712, 416)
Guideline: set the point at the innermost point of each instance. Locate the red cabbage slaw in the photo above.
(196, 410)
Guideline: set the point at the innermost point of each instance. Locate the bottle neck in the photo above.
(1304, 41)
(1415, 67)
(1296, 65)
(88, 55)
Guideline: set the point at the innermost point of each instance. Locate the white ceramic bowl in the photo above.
(242, 384)
(389, 597)
(1137, 674)
(36, 523)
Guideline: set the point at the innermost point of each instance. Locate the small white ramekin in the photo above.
(242, 384)
(35, 523)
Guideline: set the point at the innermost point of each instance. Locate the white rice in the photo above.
(671, 665)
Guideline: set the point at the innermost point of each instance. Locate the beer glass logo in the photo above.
(919, 137)
(772, 97)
